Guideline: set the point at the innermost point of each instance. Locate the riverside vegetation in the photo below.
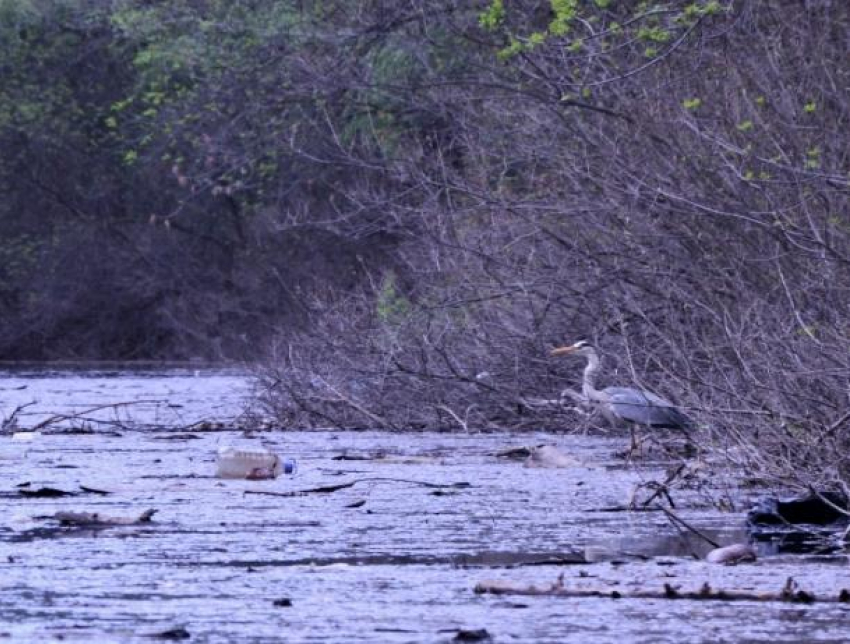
(398, 208)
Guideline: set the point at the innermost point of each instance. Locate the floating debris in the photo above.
(45, 492)
(97, 520)
(472, 635)
(26, 436)
(730, 555)
(178, 633)
(254, 464)
(814, 509)
(791, 592)
(549, 456)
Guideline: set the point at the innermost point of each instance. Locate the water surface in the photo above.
(385, 560)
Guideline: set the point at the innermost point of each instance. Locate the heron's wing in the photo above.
(645, 408)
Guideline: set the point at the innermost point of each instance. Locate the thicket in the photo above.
(402, 206)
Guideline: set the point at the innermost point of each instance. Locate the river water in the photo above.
(390, 558)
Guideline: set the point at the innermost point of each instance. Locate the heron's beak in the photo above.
(562, 351)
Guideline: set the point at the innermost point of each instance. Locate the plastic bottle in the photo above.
(251, 463)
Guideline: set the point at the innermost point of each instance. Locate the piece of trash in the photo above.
(357, 504)
(730, 555)
(283, 602)
(549, 456)
(25, 436)
(255, 464)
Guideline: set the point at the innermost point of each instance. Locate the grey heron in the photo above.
(622, 405)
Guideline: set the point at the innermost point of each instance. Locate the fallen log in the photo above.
(791, 593)
(96, 520)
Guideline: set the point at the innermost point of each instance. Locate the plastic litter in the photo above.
(25, 436)
(254, 463)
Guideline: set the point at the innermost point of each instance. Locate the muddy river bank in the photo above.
(392, 557)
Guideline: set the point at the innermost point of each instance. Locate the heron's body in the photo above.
(623, 405)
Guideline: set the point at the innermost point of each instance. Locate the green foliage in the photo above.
(654, 34)
(710, 8)
(813, 158)
(493, 16)
(565, 12)
(392, 307)
(511, 50)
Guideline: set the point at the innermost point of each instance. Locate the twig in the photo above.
(463, 424)
(60, 417)
(675, 518)
(663, 488)
(834, 426)
(326, 489)
(625, 508)
(11, 422)
(381, 422)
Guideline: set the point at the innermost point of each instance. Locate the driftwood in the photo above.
(519, 453)
(83, 415)
(327, 489)
(789, 593)
(45, 493)
(24, 489)
(96, 520)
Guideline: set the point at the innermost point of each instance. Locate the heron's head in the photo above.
(582, 348)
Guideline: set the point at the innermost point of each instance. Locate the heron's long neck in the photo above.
(590, 371)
